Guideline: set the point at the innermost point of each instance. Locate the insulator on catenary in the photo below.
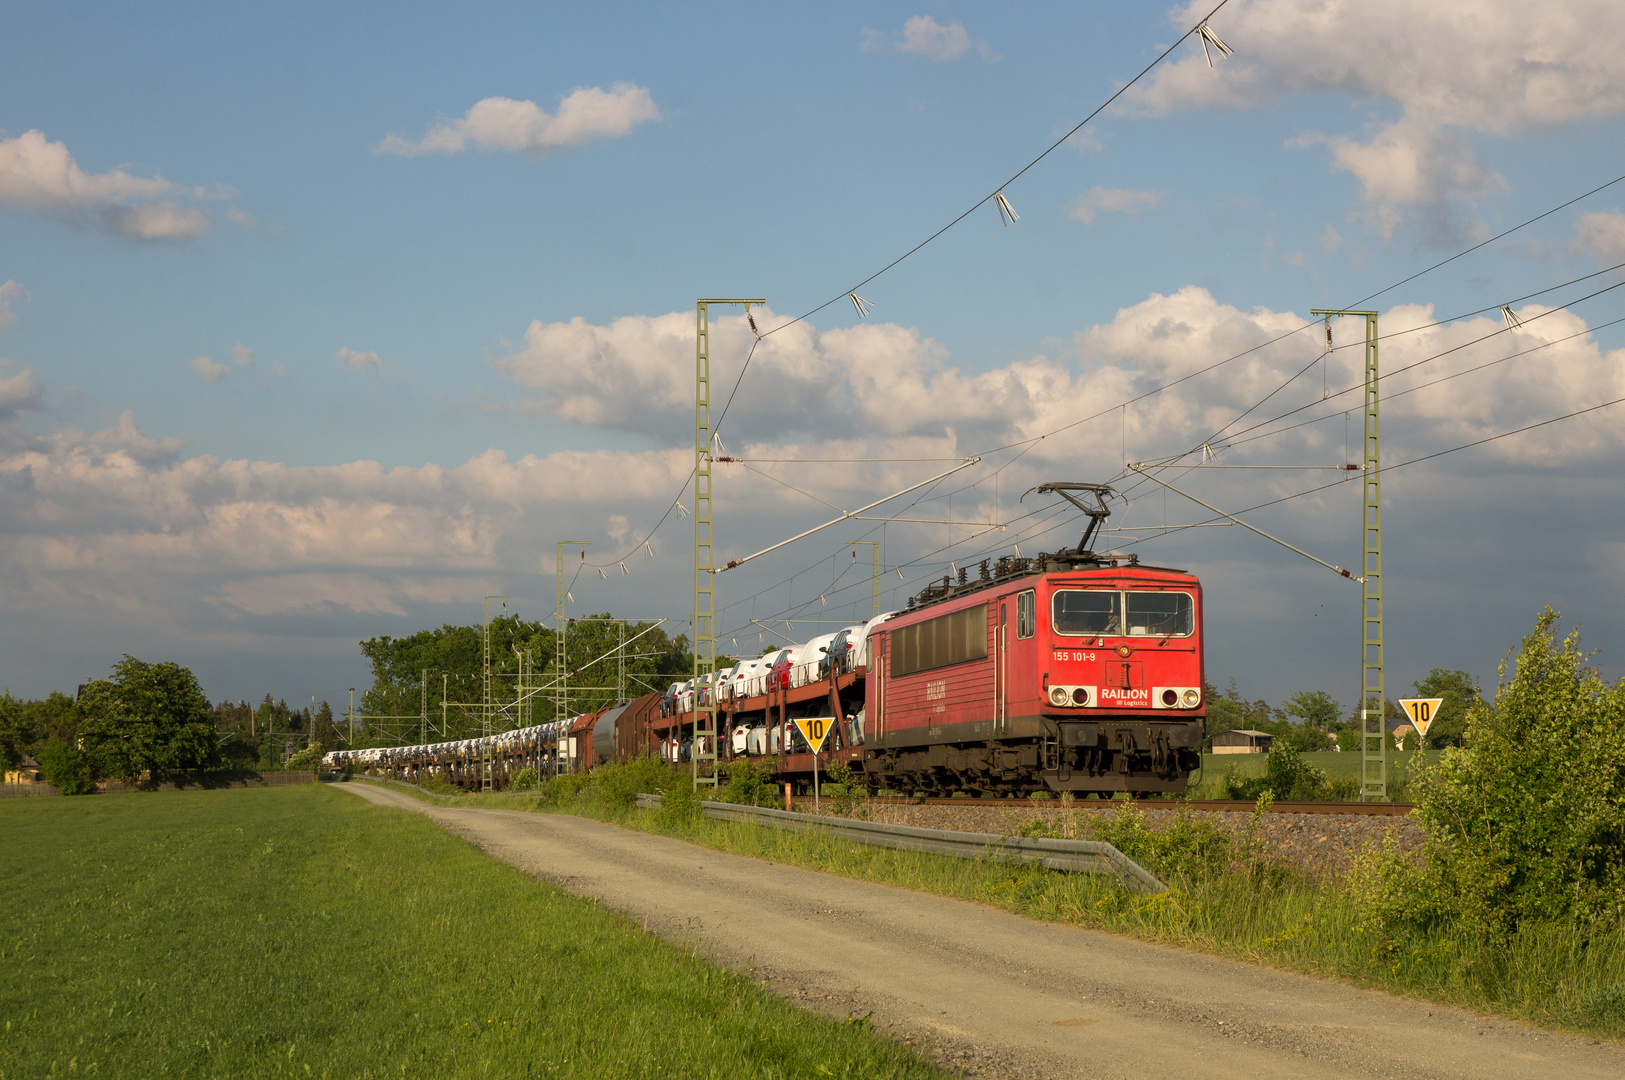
(1205, 32)
(1007, 213)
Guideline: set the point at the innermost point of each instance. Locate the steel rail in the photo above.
(1221, 806)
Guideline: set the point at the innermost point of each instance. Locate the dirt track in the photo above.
(993, 994)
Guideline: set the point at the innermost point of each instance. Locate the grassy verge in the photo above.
(1225, 900)
(300, 932)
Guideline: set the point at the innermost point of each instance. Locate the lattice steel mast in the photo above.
(705, 605)
(1373, 698)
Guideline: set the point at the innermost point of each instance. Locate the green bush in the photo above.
(749, 784)
(1527, 822)
(614, 786)
(680, 805)
(525, 780)
(1287, 778)
(845, 794)
(308, 758)
(63, 765)
(1191, 849)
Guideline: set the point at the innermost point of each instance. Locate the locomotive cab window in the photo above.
(1026, 614)
(1160, 614)
(1088, 612)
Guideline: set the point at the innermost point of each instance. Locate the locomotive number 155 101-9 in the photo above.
(1065, 654)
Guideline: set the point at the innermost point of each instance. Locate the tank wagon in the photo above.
(1072, 671)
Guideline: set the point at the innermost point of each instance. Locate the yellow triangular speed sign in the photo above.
(1422, 712)
(815, 730)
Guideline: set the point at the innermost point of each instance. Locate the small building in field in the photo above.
(1242, 741)
(25, 772)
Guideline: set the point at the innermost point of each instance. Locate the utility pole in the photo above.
(445, 679)
(487, 703)
(874, 572)
(1373, 725)
(352, 717)
(423, 707)
(561, 640)
(705, 597)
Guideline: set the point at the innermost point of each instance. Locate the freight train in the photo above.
(1074, 671)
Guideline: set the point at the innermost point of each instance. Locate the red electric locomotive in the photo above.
(1071, 672)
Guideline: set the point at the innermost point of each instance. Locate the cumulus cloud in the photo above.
(42, 176)
(586, 114)
(924, 36)
(208, 370)
(122, 526)
(19, 391)
(636, 374)
(1479, 66)
(242, 355)
(881, 385)
(1099, 200)
(359, 361)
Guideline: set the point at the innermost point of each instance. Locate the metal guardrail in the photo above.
(1075, 856)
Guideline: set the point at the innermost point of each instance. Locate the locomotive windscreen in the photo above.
(1101, 612)
(1089, 612)
(1160, 614)
(938, 642)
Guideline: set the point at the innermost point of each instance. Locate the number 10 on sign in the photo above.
(815, 730)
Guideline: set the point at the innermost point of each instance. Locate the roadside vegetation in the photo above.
(301, 932)
(1515, 903)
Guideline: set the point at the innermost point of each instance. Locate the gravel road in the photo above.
(989, 994)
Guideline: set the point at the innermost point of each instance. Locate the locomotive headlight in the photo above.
(1170, 698)
(1057, 695)
(1080, 695)
(1191, 698)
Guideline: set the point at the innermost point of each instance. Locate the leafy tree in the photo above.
(1460, 693)
(453, 657)
(1316, 708)
(53, 717)
(1526, 822)
(147, 719)
(1229, 711)
(63, 765)
(17, 731)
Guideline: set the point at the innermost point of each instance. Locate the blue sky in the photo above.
(198, 370)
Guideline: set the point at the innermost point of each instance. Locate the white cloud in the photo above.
(42, 176)
(359, 361)
(19, 392)
(1099, 200)
(1602, 234)
(207, 369)
(1491, 67)
(1331, 240)
(924, 36)
(118, 532)
(499, 123)
(9, 292)
(242, 355)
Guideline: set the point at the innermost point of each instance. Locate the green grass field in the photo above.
(301, 932)
(1336, 765)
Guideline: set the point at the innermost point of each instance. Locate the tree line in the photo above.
(434, 678)
(150, 720)
(1313, 720)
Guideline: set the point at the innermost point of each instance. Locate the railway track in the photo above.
(1232, 806)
